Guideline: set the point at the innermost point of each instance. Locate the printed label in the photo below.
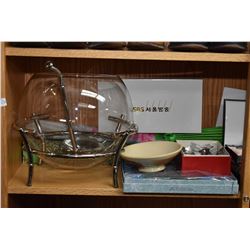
(3, 102)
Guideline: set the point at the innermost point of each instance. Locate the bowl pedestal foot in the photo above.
(151, 168)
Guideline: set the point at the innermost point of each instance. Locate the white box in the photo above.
(166, 105)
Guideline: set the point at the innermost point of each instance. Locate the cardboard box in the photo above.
(205, 165)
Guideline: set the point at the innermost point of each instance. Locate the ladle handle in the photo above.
(50, 66)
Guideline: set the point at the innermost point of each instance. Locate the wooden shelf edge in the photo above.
(119, 193)
(89, 184)
(128, 55)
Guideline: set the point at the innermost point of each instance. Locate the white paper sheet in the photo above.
(229, 93)
(166, 105)
(234, 122)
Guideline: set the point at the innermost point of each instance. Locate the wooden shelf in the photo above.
(96, 181)
(128, 55)
(47, 180)
(93, 186)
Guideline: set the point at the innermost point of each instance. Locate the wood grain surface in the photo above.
(128, 55)
(95, 181)
(245, 170)
(4, 162)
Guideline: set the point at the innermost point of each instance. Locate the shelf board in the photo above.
(48, 180)
(128, 55)
(96, 181)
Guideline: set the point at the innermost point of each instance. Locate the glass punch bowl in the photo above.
(85, 118)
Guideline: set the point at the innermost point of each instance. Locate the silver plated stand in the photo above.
(36, 118)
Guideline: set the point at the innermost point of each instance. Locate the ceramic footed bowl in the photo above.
(151, 156)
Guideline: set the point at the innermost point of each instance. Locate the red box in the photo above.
(213, 165)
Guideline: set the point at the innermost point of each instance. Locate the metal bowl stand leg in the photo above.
(117, 158)
(30, 162)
